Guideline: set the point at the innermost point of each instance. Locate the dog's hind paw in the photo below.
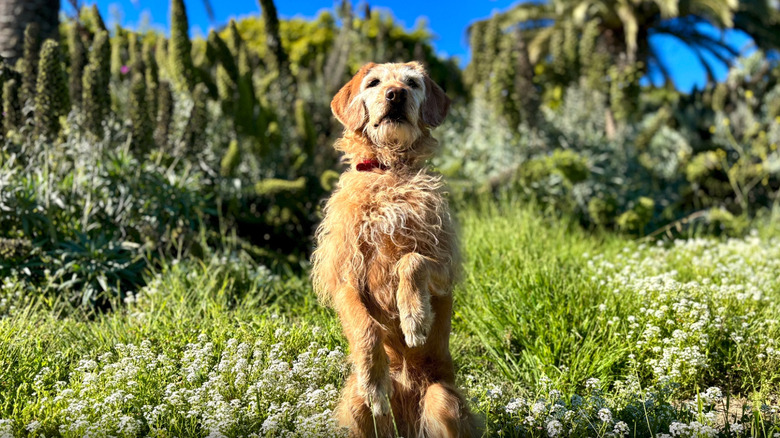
(416, 330)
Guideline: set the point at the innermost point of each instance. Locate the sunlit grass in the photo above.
(552, 335)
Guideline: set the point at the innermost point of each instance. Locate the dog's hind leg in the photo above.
(353, 414)
(444, 414)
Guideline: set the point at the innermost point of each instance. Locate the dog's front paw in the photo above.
(377, 396)
(416, 328)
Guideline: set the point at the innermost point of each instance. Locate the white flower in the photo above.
(605, 415)
(554, 427)
(495, 392)
(6, 429)
(620, 429)
(592, 383)
(514, 406)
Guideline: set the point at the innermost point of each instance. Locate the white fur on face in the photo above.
(381, 130)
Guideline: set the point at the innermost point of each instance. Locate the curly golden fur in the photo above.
(387, 257)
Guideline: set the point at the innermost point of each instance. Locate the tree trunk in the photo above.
(14, 17)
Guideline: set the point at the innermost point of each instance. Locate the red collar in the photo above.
(370, 164)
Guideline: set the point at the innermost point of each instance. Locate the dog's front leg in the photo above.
(413, 298)
(369, 359)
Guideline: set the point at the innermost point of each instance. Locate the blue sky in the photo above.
(448, 24)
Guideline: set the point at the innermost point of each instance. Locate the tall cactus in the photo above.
(276, 57)
(51, 97)
(32, 45)
(476, 42)
(91, 19)
(501, 86)
(276, 60)
(180, 49)
(152, 76)
(119, 53)
(193, 140)
(12, 110)
(593, 61)
(142, 129)
(161, 56)
(305, 128)
(78, 59)
(164, 114)
(96, 100)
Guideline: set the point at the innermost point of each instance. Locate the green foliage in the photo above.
(179, 52)
(51, 97)
(636, 219)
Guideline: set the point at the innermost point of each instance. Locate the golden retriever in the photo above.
(386, 259)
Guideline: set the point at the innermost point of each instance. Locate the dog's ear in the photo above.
(351, 113)
(436, 104)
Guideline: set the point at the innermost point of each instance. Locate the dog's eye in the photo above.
(373, 83)
(412, 83)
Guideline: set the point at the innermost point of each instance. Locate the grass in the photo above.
(557, 331)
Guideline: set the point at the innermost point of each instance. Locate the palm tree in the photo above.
(625, 26)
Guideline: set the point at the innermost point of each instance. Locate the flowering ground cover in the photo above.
(557, 332)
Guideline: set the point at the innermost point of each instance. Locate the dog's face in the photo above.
(391, 104)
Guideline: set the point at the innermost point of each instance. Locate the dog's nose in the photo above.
(395, 94)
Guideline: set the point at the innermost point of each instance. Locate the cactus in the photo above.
(134, 55)
(12, 110)
(245, 107)
(164, 114)
(161, 55)
(152, 75)
(305, 128)
(501, 86)
(273, 186)
(118, 53)
(29, 70)
(78, 59)
(96, 99)
(90, 18)
(180, 56)
(526, 96)
(234, 40)
(222, 54)
(230, 160)
(491, 48)
(284, 87)
(593, 62)
(140, 120)
(276, 57)
(51, 97)
(193, 139)
(476, 41)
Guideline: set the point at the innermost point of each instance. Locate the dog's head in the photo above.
(392, 105)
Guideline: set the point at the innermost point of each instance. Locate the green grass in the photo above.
(543, 310)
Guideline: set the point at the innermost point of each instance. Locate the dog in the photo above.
(386, 259)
